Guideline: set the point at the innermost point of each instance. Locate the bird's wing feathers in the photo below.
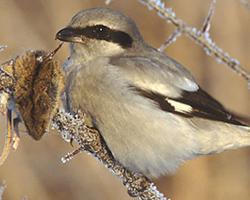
(165, 78)
(172, 88)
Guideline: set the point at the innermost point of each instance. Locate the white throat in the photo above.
(87, 52)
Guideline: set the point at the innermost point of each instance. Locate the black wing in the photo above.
(201, 103)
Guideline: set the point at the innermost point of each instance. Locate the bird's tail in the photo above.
(228, 137)
(243, 137)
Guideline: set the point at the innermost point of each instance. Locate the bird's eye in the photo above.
(100, 28)
(97, 31)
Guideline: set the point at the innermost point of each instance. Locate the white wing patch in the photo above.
(158, 88)
(180, 107)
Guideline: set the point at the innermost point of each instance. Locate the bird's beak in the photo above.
(68, 34)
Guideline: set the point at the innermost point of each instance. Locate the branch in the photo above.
(72, 127)
(170, 40)
(200, 37)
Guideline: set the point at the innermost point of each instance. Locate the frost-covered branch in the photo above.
(207, 22)
(201, 37)
(170, 40)
(72, 127)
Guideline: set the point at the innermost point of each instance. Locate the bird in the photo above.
(148, 108)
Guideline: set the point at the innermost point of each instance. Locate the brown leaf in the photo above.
(39, 83)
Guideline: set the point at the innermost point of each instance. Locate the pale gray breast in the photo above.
(131, 125)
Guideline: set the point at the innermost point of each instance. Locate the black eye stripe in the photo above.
(102, 32)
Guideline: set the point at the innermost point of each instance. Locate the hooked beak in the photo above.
(68, 34)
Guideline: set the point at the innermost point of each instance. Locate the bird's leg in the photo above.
(8, 138)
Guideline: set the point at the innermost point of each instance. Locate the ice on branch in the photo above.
(170, 40)
(90, 141)
(207, 23)
(201, 37)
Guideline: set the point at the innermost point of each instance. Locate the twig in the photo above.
(199, 37)
(90, 141)
(207, 23)
(170, 40)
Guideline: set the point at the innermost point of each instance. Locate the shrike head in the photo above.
(100, 32)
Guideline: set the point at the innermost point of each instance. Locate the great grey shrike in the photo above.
(148, 108)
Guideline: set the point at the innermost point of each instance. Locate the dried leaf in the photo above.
(39, 82)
